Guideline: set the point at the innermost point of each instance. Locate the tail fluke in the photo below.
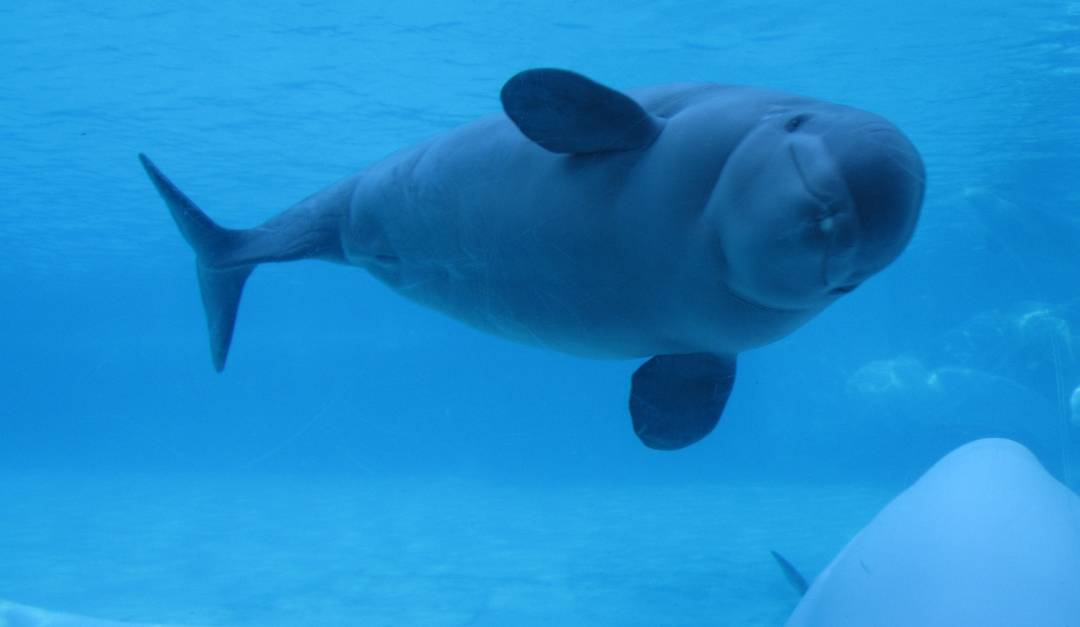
(792, 574)
(221, 272)
(221, 291)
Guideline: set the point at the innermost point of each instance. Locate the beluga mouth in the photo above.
(746, 300)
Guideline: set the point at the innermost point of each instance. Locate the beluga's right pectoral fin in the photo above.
(566, 112)
(675, 400)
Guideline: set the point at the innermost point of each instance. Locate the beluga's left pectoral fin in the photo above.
(675, 400)
(566, 112)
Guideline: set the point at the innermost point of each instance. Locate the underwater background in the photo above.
(366, 461)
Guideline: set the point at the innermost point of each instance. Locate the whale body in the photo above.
(679, 223)
(985, 538)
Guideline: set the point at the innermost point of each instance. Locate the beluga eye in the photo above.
(795, 122)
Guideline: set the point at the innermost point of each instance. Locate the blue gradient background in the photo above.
(366, 461)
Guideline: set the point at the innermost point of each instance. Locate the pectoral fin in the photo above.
(675, 400)
(792, 574)
(569, 113)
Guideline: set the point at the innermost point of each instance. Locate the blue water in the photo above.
(367, 461)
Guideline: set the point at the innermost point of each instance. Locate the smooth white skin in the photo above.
(986, 537)
(625, 254)
(1074, 405)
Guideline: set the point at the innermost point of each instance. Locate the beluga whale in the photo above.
(985, 537)
(681, 223)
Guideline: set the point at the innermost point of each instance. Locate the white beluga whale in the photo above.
(985, 538)
(680, 223)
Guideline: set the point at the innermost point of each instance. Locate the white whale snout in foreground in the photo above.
(986, 538)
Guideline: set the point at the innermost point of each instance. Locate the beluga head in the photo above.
(816, 198)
